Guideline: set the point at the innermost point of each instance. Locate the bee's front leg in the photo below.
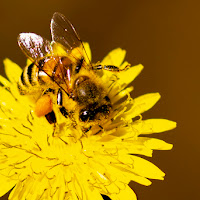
(62, 109)
(111, 68)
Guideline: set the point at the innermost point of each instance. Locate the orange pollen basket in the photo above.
(43, 106)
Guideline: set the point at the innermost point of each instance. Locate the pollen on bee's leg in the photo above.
(43, 106)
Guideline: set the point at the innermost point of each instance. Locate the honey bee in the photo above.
(70, 76)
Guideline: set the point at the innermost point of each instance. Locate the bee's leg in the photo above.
(111, 68)
(101, 127)
(49, 90)
(100, 130)
(85, 130)
(44, 107)
(51, 118)
(60, 104)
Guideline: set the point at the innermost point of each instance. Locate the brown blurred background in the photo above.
(162, 35)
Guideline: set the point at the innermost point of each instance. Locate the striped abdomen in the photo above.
(28, 79)
(48, 73)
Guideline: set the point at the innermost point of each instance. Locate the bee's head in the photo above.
(90, 114)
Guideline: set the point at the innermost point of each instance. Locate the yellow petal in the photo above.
(92, 193)
(4, 81)
(82, 190)
(12, 70)
(160, 125)
(157, 144)
(15, 191)
(126, 77)
(150, 126)
(125, 173)
(6, 184)
(126, 194)
(57, 190)
(122, 94)
(115, 57)
(142, 104)
(31, 188)
(146, 169)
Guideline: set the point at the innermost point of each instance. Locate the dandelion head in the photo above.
(69, 129)
(40, 160)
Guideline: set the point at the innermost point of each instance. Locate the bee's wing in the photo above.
(63, 32)
(34, 46)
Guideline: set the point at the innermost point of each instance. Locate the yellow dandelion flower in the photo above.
(74, 137)
(73, 165)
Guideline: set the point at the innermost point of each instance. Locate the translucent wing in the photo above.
(34, 46)
(63, 32)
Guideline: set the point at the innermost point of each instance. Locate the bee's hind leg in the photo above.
(51, 118)
(111, 68)
(62, 109)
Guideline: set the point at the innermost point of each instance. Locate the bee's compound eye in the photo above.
(86, 115)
